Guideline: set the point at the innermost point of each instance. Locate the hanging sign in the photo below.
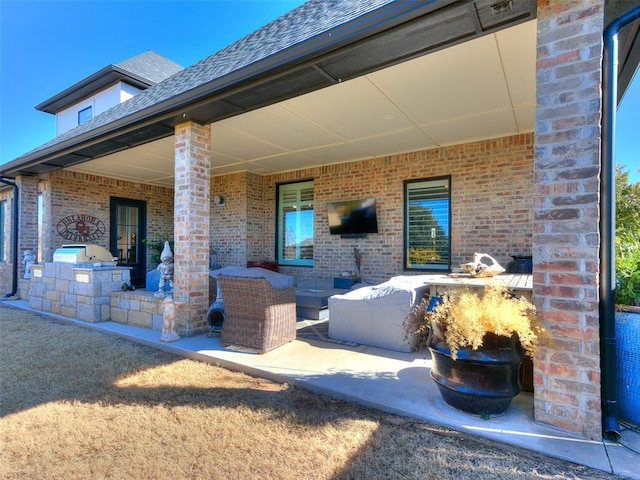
(81, 228)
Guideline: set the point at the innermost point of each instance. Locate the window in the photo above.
(2, 236)
(295, 224)
(427, 234)
(85, 114)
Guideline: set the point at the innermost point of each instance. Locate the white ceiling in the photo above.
(484, 88)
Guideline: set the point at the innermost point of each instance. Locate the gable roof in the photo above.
(318, 44)
(141, 71)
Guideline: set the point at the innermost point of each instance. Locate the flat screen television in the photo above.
(353, 217)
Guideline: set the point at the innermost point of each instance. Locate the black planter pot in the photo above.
(520, 264)
(480, 382)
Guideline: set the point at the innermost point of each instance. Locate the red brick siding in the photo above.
(192, 219)
(28, 214)
(492, 209)
(566, 235)
(229, 222)
(75, 193)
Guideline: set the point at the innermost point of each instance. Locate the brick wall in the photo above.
(229, 222)
(258, 214)
(491, 205)
(28, 205)
(73, 193)
(566, 236)
(68, 193)
(192, 226)
(28, 214)
(492, 185)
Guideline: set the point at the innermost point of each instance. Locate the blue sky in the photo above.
(47, 46)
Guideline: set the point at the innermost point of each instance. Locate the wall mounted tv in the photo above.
(353, 218)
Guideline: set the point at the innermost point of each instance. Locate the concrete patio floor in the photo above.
(390, 381)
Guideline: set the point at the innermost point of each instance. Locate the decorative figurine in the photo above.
(165, 268)
(169, 320)
(28, 258)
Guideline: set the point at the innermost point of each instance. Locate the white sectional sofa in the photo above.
(375, 315)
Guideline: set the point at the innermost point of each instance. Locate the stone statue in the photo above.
(28, 258)
(169, 320)
(165, 268)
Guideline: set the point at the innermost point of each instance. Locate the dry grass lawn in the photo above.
(80, 404)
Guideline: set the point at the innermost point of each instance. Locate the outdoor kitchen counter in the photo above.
(76, 290)
(521, 284)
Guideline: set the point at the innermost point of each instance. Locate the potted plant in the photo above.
(477, 339)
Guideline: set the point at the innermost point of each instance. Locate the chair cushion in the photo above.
(277, 280)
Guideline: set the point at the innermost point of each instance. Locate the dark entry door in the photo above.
(128, 234)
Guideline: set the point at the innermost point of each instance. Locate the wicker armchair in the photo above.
(257, 315)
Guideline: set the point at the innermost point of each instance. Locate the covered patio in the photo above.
(501, 98)
(393, 382)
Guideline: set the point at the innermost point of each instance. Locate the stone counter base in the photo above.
(140, 308)
(75, 290)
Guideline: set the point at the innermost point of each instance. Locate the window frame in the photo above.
(280, 190)
(434, 266)
(81, 118)
(2, 230)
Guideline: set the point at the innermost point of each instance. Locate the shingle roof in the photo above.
(313, 19)
(141, 71)
(149, 66)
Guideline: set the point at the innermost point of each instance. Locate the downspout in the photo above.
(14, 236)
(610, 427)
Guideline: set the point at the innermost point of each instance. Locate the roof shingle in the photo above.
(306, 22)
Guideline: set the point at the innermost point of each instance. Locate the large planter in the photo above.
(480, 382)
(628, 365)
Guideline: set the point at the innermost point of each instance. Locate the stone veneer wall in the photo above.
(567, 239)
(75, 290)
(492, 209)
(138, 308)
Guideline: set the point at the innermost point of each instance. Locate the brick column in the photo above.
(44, 189)
(566, 211)
(191, 225)
(28, 207)
(27, 229)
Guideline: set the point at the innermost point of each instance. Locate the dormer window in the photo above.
(84, 115)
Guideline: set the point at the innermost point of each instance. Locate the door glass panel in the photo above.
(128, 233)
(128, 230)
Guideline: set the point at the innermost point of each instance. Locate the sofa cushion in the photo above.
(375, 315)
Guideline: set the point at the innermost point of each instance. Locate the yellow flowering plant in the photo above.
(467, 315)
